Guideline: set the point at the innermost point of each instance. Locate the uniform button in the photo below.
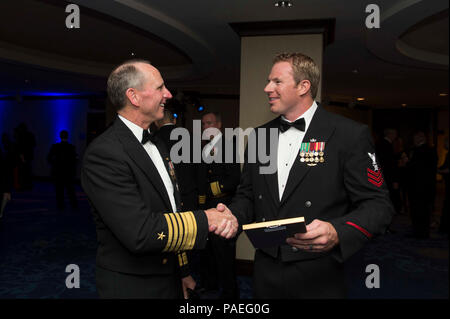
(182, 204)
(260, 196)
(263, 219)
(164, 261)
(308, 203)
(294, 249)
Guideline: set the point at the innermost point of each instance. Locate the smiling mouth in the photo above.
(273, 99)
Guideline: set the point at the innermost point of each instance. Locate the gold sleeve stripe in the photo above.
(185, 260)
(187, 232)
(175, 233)
(194, 230)
(170, 232)
(180, 260)
(181, 231)
(202, 199)
(192, 235)
(215, 189)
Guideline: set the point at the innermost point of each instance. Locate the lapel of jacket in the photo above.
(272, 179)
(165, 154)
(320, 129)
(141, 158)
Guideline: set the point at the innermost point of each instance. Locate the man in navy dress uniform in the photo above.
(327, 172)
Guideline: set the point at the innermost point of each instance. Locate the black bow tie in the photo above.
(147, 136)
(285, 125)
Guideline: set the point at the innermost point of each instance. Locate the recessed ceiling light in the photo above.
(360, 99)
(404, 104)
(355, 71)
(443, 94)
(283, 4)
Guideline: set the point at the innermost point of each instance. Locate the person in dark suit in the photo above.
(63, 160)
(130, 182)
(217, 182)
(388, 161)
(326, 172)
(25, 143)
(5, 182)
(444, 171)
(185, 172)
(421, 169)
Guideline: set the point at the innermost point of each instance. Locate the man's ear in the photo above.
(132, 96)
(303, 87)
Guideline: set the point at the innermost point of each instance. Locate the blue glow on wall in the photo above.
(63, 113)
(48, 94)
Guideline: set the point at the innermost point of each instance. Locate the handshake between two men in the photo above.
(320, 235)
(221, 221)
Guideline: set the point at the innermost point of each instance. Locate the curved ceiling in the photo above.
(430, 34)
(195, 48)
(100, 43)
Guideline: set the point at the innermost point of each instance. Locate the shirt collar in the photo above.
(135, 129)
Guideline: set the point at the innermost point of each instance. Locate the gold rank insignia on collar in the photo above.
(161, 236)
(312, 153)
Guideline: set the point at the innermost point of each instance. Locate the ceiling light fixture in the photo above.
(360, 99)
(404, 104)
(283, 4)
(443, 94)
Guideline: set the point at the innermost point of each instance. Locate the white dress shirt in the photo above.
(156, 158)
(289, 144)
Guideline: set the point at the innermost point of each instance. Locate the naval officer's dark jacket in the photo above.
(217, 181)
(186, 172)
(346, 189)
(137, 231)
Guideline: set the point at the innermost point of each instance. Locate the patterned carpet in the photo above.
(37, 243)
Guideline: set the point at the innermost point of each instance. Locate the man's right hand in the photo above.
(221, 221)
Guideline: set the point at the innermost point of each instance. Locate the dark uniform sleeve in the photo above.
(242, 203)
(372, 210)
(225, 184)
(113, 192)
(221, 184)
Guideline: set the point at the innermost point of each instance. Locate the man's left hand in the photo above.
(320, 236)
(187, 282)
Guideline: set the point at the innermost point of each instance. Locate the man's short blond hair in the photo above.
(304, 68)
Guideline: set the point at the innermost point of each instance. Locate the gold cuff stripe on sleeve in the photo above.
(187, 232)
(202, 199)
(170, 232)
(192, 229)
(194, 232)
(181, 231)
(185, 260)
(215, 188)
(175, 233)
(180, 260)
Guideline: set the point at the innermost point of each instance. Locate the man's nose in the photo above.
(268, 88)
(167, 94)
